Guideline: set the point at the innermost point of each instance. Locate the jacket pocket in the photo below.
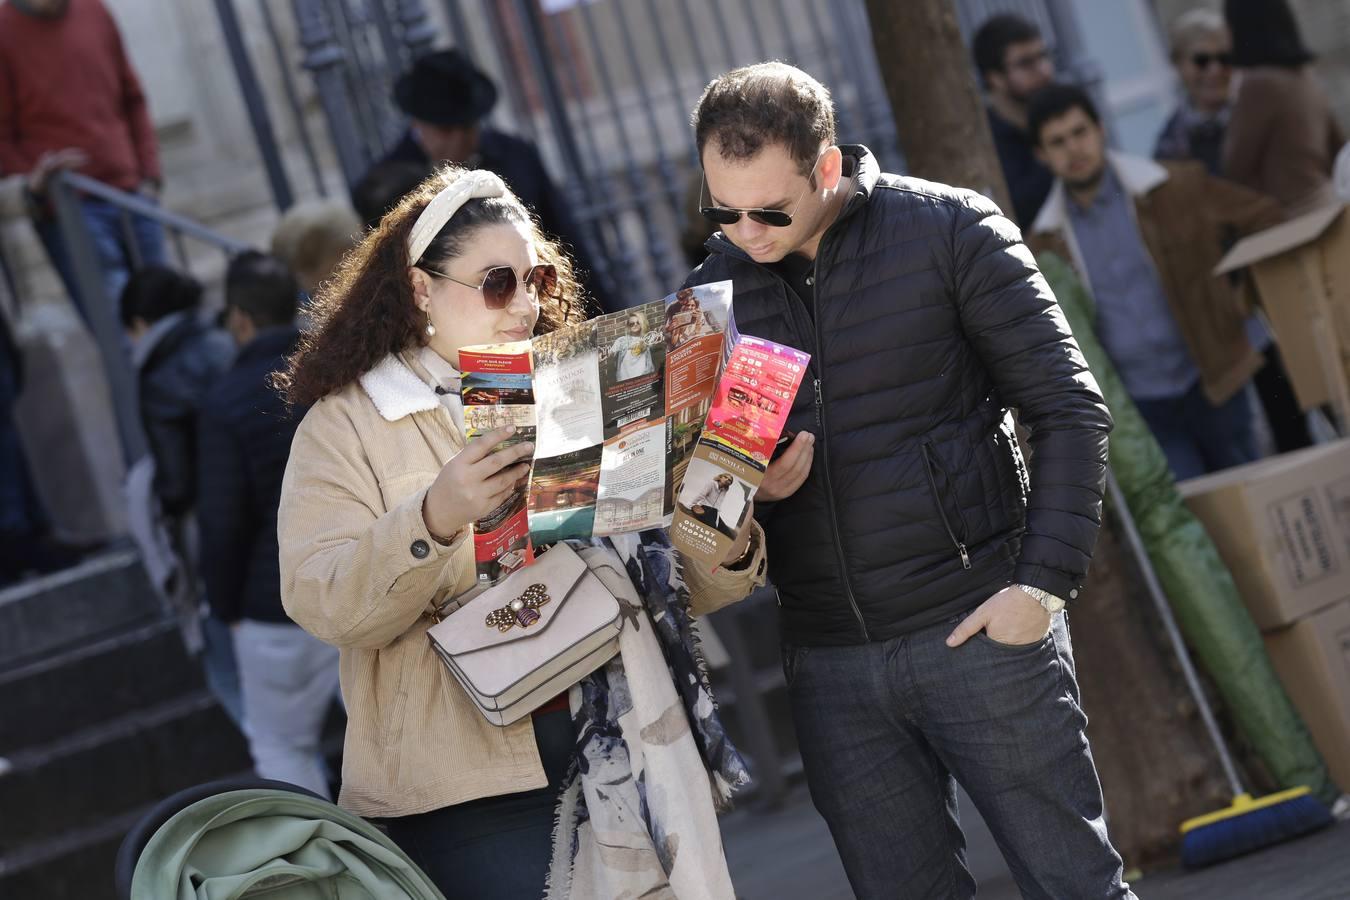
(953, 519)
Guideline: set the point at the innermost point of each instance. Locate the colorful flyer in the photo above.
(696, 332)
(563, 492)
(754, 396)
(614, 407)
(567, 390)
(633, 481)
(632, 349)
(749, 411)
(497, 390)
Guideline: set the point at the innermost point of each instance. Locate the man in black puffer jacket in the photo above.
(922, 570)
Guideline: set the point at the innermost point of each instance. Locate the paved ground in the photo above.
(787, 855)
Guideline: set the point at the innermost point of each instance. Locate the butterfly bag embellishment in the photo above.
(521, 611)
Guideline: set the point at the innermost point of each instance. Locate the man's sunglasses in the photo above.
(774, 218)
(500, 284)
(1203, 60)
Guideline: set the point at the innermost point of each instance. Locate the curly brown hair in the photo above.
(366, 311)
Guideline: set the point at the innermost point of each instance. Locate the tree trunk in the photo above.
(1151, 751)
(938, 114)
(1155, 762)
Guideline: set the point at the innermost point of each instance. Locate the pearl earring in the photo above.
(431, 329)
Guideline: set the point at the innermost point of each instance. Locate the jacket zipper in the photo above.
(929, 463)
(818, 365)
(825, 449)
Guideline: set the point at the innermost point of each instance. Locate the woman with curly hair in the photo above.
(375, 527)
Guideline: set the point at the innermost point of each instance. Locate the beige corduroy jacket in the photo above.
(360, 571)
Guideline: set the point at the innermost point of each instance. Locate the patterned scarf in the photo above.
(638, 817)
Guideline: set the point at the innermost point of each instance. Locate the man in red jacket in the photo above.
(66, 83)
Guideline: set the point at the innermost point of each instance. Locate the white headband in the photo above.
(473, 185)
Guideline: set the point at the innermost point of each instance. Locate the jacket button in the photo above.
(420, 549)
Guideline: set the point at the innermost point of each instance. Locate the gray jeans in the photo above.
(288, 679)
(885, 726)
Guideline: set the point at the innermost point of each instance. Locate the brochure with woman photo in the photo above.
(749, 411)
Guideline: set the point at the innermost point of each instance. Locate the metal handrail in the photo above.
(66, 190)
(135, 203)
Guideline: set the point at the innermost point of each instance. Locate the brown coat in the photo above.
(351, 531)
(1186, 218)
(1283, 138)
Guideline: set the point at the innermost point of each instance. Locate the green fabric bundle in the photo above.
(1199, 586)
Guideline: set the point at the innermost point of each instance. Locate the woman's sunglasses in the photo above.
(499, 284)
(774, 218)
(1203, 60)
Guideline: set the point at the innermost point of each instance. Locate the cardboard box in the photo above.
(1282, 526)
(1302, 273)
(1312, 658)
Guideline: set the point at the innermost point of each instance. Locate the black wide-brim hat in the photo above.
(445, 88)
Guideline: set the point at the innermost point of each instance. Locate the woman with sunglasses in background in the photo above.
(1202, 52)
(375, 529)
(1282, 136)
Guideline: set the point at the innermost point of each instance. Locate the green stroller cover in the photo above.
(278, 844)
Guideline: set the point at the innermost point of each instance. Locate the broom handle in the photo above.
(1155, 591)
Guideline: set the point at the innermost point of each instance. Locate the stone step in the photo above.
(79, 863)
(76, 864)
(87, 602)
(102, 772)
(94, 683)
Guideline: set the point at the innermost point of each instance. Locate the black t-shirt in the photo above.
(800, 274)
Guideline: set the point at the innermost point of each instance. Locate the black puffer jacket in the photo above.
(931, 321)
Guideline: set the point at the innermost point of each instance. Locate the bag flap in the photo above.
(466, 629)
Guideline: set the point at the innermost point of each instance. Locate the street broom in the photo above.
(1250, 823)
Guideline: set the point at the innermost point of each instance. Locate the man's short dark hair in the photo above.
(153, 292)
(995, 36)
(262, 287)
(1053, 101)
(749, 108)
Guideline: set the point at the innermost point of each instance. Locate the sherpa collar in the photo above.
(396, 390)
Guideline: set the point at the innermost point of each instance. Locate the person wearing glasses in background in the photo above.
(922, 573)
(1202, 52)
(376, 530)
(1014, 63)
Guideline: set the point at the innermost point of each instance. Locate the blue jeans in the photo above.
(1198, 437)
(885, 727)
(110, 241)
